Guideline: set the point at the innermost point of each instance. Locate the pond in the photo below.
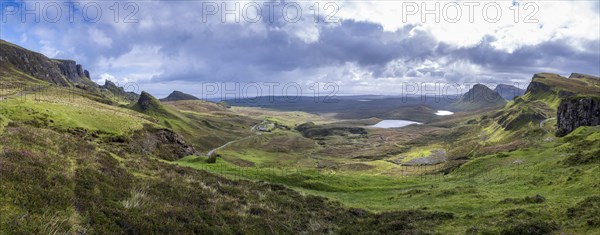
(394, 123)
(443, 113)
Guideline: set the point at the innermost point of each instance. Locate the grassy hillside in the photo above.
(542, 189)
(54, 183)
(177, 96)
(76, 161)
(504, 171)
(70, 164)
(109, 188)
(205, 125)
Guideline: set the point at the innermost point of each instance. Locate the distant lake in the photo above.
(443, 113)
(393, 123)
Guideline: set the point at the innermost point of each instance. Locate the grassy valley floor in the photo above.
(74, 165)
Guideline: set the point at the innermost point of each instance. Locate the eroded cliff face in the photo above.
(575, 112)
(32, 63)
(537, 87)
(72, 71)
(59, 72)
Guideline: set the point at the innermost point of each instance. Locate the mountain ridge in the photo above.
(540, 103)
(55, 71)
(508, 92)
(477, 98)
(178, 96)
(23, 68)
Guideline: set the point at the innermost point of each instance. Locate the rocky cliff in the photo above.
(575, 112)
(544, 84)
(59, 72)
(537, 86)
(72, 71)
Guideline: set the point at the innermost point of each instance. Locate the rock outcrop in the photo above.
(161, 142)
(537, 87)
(119, 92)
(72, 71)
(59, 72)
(147, 102)
(575, 112)
(31, 63)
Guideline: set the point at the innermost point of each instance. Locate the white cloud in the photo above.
(48, 49)
(104, 77)
(557, 20)
(23, 38)
(109, 77)
(142, 57)
(173, 45)
(99, 37)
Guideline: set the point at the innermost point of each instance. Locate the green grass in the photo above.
(3, 122)
(70, 111)
(204, 131)
(54, 183)
(419, 152)
(474, 192)
(53, 177)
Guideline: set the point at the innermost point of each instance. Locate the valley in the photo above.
(82, 158)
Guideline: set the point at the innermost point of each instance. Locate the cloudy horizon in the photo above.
(361, 47)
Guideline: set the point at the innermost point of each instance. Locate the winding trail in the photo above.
(211, 152)
(252, 129)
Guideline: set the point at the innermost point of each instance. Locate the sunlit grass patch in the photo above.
(65, 112)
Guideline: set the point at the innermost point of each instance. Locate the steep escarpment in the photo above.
(59, 72)
(540, 104)
(72, 71)
(31, 63)
(549, 86)
(575, 112)
(538, 86)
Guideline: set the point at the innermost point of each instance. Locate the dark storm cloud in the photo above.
(277, 50)
(557, 55)
(191, 50)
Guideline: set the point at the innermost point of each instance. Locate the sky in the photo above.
(344, 47)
